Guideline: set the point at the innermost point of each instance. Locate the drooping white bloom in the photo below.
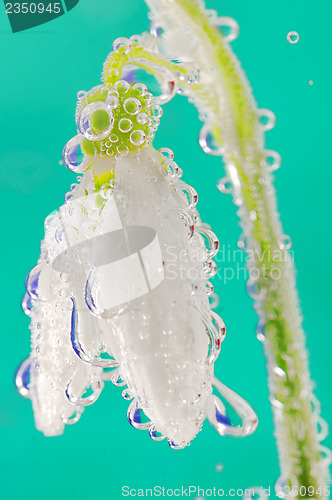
(121, 289)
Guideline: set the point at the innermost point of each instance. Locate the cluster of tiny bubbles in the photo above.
(208, 141)
(266, 118)
(112, 120)
(293, 37)
(272, 160)
(225, 185)
(228, 27)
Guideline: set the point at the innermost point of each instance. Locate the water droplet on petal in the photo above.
(32, 282)
(127, 395)
(175, 446)
(27, 304)
(136, 417)
(117, 380)
(155, 435)
(22, 378)
(167, 153)
(74, 418)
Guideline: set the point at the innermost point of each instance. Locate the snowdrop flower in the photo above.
(121, 289)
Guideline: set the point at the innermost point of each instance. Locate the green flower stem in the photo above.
(225, 97)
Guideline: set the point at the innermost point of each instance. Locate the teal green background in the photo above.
(42, 70)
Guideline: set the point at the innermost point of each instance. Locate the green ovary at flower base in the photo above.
(224, 96)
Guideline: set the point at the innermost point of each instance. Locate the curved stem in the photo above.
(225, 98)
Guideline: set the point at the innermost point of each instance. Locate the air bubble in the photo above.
(267, 119)
(121, 86)
(122, 149)
(132, 105)
(127, 395)
(142, 118)
(114, 138)
(208, 142)
(22, 378)
(157, 112)
(285, 242)
(112, 99)
(74, 418)
(157, 82)
(293, 37)
(125, 125)
(137, 137)
(112, 72)
(137, 417)
(73, 156)
(141, 88)
(122, 45)
(105, 191)
(260, 331)
(228, 27)
(80, 94)
(191, 195)
(27, 304)
(155, 435)
(272, 160)
(224, 185)
(96, 121)
(191, 78)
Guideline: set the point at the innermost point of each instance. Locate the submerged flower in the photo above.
(121, 289)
